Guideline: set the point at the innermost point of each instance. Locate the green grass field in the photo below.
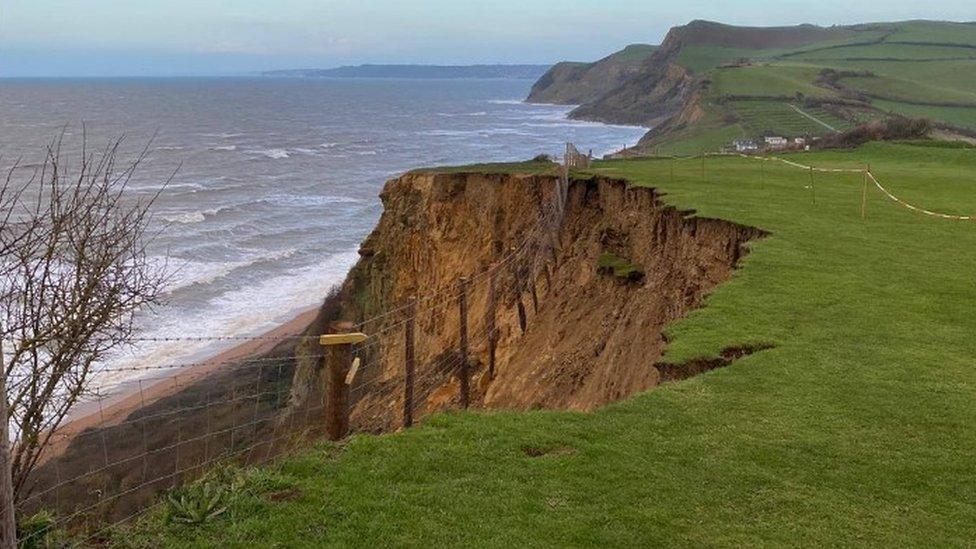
(960, 116)
(888, 51)
(781, 118)
(856, 428)
(935, 32)
(923, 69)
(776, 80)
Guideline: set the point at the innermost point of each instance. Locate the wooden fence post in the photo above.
(813, 190)
(490, 322)
(864, 193)
(703, 164)
(762, 173)
(672, 168)
(8, 521)
(465, 373)
(337, 362)
(409, 365)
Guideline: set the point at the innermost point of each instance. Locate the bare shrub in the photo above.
(74, 268)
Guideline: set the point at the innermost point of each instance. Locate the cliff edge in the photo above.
(580, 306)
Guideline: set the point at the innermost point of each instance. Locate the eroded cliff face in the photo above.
(590, 336)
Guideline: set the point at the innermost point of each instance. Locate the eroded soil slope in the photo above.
(592, 335)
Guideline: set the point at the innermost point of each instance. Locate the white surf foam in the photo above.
(274, 154)
(248, 311)
(187, 218)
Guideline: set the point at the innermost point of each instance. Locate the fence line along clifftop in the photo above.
(243, 409)
(870, 175)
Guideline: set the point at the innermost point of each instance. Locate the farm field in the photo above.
(776, 80)
(932, 82)
(935, 32)
(960, 116)
(887, 51)
(854, 428)
(783, 118)
(915, 68)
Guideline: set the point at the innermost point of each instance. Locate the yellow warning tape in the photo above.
(877, 183)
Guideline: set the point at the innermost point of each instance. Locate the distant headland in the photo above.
(514, 72)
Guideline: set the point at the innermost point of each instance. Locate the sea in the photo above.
(266, 186)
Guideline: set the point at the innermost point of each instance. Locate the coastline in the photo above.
(128, 397)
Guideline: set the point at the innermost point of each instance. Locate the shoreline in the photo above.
(129, 397)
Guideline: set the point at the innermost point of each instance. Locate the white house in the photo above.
(776, 142)
(745, 145)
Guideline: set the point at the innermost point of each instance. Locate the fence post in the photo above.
(465, 373)
(762, 173)
(8, 521)
(490, 322)
(703, 164)
(864, 193)
(409, 365)
(337, 361)
(672, 168)
(813, 190)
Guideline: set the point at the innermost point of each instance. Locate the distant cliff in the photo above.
(571, 83)
(515, 72)
(663, 84)
(686, 88)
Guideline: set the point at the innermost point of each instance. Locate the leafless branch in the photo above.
(74, 268)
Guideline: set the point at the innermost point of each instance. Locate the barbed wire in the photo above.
(375, 381)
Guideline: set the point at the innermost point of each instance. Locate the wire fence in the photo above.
(421, 355)
(869, 175)
(428, 353)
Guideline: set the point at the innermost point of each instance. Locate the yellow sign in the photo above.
(341, 339)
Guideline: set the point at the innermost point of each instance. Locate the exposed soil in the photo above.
(589, 337)
(569, 335)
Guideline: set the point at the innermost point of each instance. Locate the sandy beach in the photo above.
(129, 398)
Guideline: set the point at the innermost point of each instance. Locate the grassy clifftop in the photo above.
(855, 428)
(710, 83)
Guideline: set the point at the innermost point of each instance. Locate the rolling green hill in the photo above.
(709, 83)
(854, 429)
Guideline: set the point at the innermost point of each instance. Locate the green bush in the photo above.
(37, 531)
(610, 263)
(197, 503)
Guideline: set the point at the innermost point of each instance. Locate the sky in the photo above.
(226, 37)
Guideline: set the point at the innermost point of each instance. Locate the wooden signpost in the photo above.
(338, 361)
